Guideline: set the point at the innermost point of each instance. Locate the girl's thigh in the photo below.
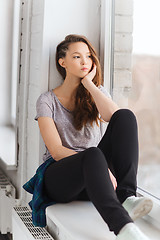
(63, 179)
(83, 196)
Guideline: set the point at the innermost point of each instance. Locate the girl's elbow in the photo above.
(109, 115)
(115, 110)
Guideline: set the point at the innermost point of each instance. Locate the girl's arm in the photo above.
(52, 139)
(106, 107)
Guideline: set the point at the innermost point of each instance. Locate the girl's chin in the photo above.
(84, 74)
(81, 75)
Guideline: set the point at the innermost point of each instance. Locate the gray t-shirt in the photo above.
(48, 105)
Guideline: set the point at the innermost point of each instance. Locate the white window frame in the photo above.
(15, 59)
(107, 42)
(9, 161)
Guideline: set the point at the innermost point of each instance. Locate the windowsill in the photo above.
(76, 220)
(148, 177)
(155, 212)
(7, 147)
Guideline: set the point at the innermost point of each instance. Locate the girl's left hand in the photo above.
(113, 179)
(90, 75)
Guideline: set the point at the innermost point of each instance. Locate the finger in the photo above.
(94, 69)
(93, 66)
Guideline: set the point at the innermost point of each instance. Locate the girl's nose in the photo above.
(84, 61)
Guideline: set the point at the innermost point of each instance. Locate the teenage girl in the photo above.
(93, 142)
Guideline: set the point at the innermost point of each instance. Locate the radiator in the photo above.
(7, 200)
(23, 227)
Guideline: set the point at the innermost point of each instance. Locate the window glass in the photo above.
(144, 97)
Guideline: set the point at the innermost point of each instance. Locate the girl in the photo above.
(91, 161)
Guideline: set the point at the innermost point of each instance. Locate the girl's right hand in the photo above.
(89, 77)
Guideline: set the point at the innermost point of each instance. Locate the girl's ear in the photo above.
(61, 62)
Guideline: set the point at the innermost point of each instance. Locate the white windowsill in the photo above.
(80, 220)
(155, 212)
(7, 147)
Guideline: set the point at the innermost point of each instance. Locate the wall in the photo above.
(78, 19)
(122, 51)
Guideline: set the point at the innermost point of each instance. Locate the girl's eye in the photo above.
(79, 56)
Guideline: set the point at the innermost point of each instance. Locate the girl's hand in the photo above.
(113, 179)
(90, 75)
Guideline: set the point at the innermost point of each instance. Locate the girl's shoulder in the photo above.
(44, 106)
(45, 97)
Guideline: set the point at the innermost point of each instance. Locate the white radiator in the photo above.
(17, 219)
(7, 200)
(23, 227)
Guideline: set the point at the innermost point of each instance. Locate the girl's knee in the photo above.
(94, 154)
(124, 114)
(92, 151)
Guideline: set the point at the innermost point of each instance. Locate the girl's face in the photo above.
(78, 61)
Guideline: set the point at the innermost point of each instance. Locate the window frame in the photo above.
(6, 161)
(107, 42)
(15, 60)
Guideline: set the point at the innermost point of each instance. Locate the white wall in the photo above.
(122, 51)
(70, 17)
(6, 17)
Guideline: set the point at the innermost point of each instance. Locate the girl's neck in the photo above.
(69, 87)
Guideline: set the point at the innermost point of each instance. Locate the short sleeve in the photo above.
(104, 90)
(44, 107)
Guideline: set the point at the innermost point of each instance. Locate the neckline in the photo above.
(60, 102)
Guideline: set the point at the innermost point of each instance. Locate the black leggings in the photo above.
(85, 176)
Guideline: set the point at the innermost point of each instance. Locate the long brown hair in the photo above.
(85, 108)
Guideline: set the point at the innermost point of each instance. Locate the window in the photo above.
(9, 44)
(144, 98)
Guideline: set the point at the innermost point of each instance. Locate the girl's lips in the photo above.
(84, 69)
